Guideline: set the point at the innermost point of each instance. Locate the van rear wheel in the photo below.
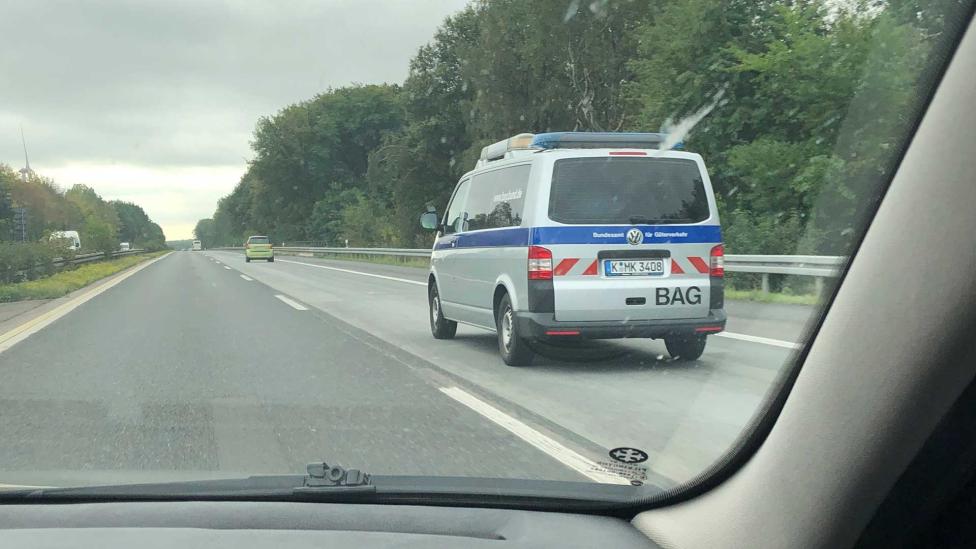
(440, 327)
(514, 348)
(685, 347)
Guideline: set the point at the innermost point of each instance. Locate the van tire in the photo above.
(685, 347)
(247, 259)
(514, 348)
(270, 260)
(440, 327)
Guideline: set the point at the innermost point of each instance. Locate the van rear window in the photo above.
(598, 190)
(258, 240)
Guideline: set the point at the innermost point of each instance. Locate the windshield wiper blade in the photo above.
(323, 482)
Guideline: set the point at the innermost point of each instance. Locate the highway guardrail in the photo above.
(88, 258)
(817, 266)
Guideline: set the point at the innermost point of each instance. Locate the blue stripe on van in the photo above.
(514, 236)
(582, 234)
(617, 234)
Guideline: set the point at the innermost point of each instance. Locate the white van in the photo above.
(71, 237)
(197, 246)
(580, 235)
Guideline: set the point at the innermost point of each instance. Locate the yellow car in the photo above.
(258, 247)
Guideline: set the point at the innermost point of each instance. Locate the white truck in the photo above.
(73, 241)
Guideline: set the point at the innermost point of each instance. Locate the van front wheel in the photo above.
(440, 327)
(685, 347)
(514, 348)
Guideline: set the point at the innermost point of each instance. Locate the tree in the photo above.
(136, 228)
(100, 236)
(204, 232)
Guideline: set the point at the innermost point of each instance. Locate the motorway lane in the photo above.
(186, 370)
(605, 395)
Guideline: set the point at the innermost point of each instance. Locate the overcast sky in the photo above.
(154, 101)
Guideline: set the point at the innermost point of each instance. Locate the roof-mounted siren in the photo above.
(501, 149)
(602, 140)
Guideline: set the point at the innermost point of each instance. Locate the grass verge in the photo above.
(757, 295)
(65, 282)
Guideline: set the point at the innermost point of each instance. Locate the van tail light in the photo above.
(716, 261)
(246, 245)
(540, 263)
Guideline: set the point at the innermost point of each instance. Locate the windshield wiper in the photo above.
(323, 482)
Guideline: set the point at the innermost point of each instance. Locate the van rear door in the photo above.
(633, 240)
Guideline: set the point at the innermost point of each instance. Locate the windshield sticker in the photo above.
(628, 455)
(636, 474)
(626, 463)
(506, 197)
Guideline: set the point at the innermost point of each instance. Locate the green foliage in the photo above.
(100, 224)
(100, 236)
(204, 232)
(798, 107)
(27, 260)
(136, 228)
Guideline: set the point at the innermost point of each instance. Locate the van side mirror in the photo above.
(429, 221)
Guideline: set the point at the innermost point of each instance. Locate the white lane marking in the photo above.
(557, 451)
(355, 272)
(226, 267)
(292, 303)
(247, 278)
(730, 335)
(35, 325)
(763, 340)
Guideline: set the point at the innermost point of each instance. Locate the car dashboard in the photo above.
(241, 525)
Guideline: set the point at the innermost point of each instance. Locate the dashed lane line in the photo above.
(291, 303)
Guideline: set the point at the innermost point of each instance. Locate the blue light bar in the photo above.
(600, 140)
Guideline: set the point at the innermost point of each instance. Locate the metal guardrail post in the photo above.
(765, 283)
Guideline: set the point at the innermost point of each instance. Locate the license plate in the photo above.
(633, 267)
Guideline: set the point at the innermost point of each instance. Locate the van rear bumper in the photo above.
(537, 325)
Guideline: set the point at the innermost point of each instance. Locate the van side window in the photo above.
(496, 198)
(455, 219)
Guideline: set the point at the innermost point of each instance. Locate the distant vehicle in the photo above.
(124, 247)
(258, 247)
(72, 238)
(197, 246)
(580, 235)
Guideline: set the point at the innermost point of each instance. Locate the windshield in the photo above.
(619, 190)
(559, 241)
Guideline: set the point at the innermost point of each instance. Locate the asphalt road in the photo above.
(193, 368)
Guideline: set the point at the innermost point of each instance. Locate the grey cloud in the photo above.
(182, 82)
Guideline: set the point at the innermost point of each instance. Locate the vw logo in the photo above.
(635, 236)
(628, 455)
